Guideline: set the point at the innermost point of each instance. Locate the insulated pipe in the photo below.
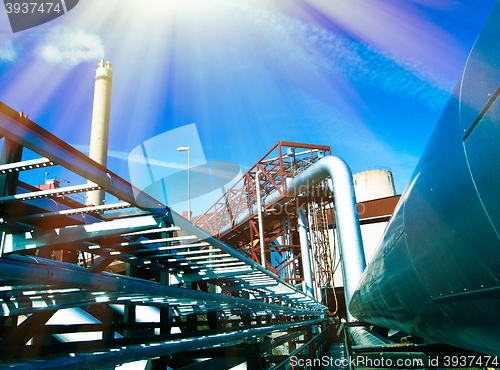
(261, 224)
(100, 124)
(435, 273)
(304, 251)
(351, 245)
(362, 337)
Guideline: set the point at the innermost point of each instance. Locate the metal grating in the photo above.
(162, 253)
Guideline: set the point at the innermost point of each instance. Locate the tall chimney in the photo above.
(100, 124)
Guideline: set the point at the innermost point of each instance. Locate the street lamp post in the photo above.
(186, 149)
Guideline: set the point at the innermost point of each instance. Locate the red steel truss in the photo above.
(234, 220)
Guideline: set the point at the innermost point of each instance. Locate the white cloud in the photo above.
(331, 54)
(7, 51)
(71, 47)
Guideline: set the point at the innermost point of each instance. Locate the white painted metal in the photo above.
(49, 193)
(261, 224)
(304, 251)
(25, 165)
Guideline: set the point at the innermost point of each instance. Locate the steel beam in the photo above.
(59, 277)
(25, 132)
(11, 152)
(150, 350)
(48, 193)
(71, 212)
(25, 331)
(25, 165)
(79, 233)
(33, 137)
(99, 265)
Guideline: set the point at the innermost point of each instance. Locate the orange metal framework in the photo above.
(233, 218)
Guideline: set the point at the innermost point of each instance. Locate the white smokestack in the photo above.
(100, 124)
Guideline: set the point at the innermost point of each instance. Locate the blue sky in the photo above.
(367, 77)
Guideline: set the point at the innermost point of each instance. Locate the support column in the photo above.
(304, 251)
(165, 319)
(11, 153)
(130, 310)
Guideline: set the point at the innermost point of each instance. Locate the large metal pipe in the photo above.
(351, 245)
(261, 222)
(350, 241)
(100, 124)
(304, 251)
(363, 337)
(436, 271)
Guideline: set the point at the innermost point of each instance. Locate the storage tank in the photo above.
(373, 184)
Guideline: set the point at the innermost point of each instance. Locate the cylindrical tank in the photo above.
(373, 184)
(436, 273)
(100, 124)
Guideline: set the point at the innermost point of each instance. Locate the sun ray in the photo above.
(245, 71)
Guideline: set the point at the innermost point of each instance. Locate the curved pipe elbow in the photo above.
(351, 245)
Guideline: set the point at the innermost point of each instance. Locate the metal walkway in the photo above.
(230, 297)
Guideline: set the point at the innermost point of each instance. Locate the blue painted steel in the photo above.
(436, 273)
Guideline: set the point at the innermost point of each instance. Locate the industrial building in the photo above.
(297, 261)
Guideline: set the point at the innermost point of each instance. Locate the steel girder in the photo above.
(28, 134)
(119, 355)
(241, 199)
(150, 236)
(61, 285)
